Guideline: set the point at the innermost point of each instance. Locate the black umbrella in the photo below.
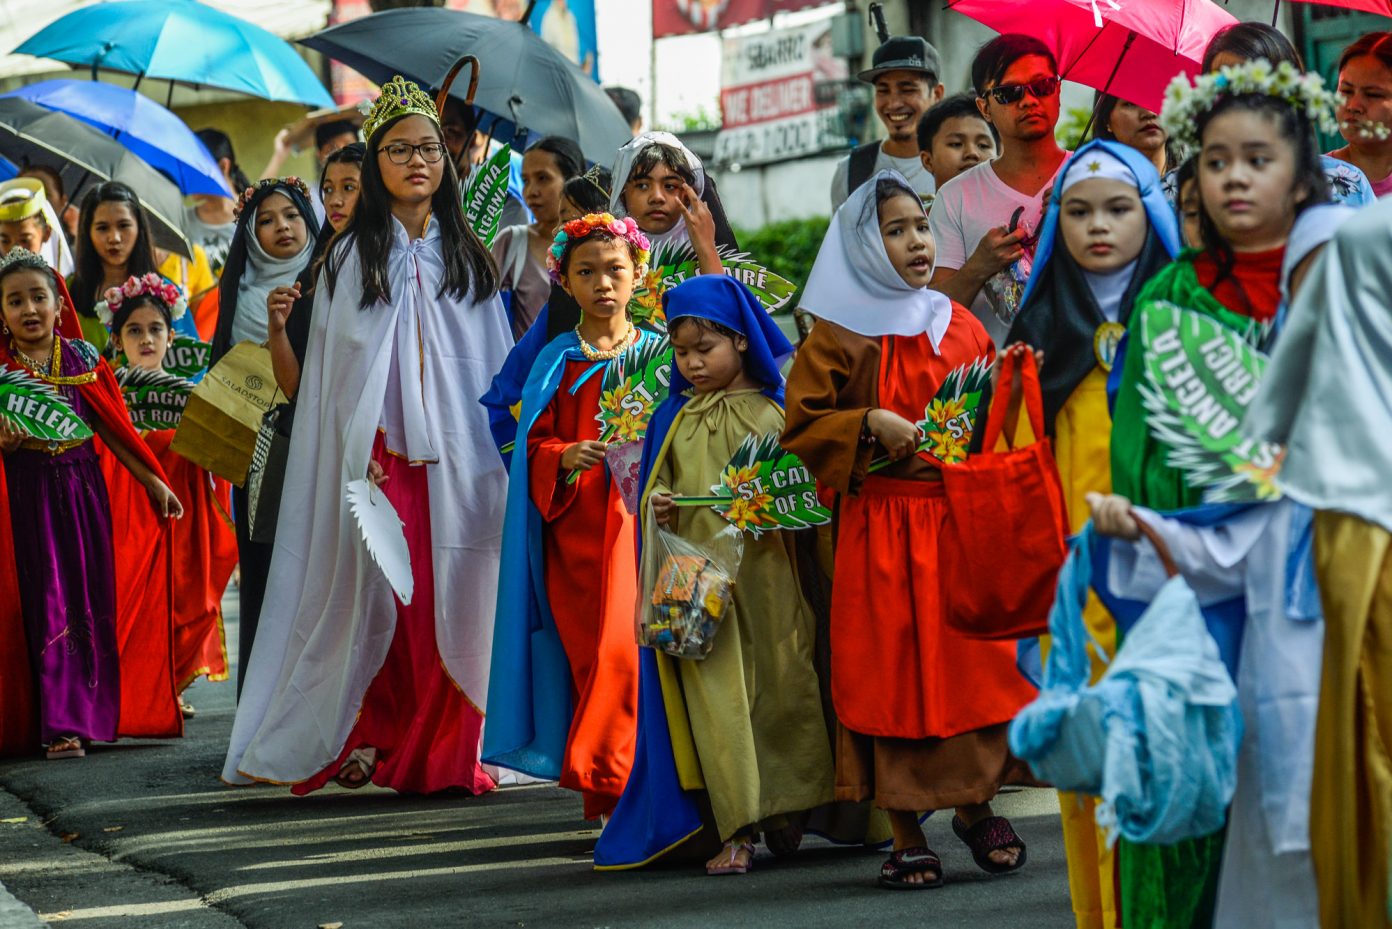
(31, 134)
(528, 87)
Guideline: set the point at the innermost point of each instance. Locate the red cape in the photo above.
(144, 627)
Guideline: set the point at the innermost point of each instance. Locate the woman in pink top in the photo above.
(1365, 119)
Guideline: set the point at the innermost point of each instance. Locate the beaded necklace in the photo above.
(594, 354)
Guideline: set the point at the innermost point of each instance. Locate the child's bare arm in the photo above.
(165, 503)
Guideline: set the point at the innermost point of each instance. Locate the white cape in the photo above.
(415, 368)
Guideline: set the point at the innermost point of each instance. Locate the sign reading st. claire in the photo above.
(767, 98)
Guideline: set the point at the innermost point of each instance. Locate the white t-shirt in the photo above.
(971, 205)
(912, 169)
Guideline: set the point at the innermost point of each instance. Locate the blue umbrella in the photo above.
(180, 40)
(140, 124)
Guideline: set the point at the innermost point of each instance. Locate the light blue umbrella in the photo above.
(180, 40)
(140, 124)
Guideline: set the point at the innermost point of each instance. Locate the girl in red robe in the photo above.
(141, 316)
(922, 710)
(562, 703)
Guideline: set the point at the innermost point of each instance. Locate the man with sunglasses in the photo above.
(904, 72)
(983, 262)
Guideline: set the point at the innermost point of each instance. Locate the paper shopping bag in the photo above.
(223, 415)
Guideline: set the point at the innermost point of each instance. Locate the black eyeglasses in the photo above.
(1007, 94)
(401, 153)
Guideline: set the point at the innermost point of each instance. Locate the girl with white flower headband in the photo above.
(562, 700)
(141, 315)
(1257, 169)
(1365, 113)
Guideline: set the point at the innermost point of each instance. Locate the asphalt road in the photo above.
(143, 835)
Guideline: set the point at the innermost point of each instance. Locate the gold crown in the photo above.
(400, 97)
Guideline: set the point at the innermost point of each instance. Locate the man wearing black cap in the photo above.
(904, 73)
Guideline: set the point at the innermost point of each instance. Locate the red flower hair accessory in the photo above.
(577, 230)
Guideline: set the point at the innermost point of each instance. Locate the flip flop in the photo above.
(734, 867)
(917, 860)
(994, 833)
(69, 747)
(366, 761)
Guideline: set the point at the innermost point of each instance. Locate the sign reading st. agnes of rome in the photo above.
(768, 98)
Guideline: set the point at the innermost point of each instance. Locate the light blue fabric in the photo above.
(1347, 182)
(1156, 738)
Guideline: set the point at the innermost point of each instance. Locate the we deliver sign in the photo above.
(768, 101)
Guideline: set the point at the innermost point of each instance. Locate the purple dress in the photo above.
(61, 519)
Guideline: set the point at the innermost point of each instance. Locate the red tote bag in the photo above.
(1006, 533)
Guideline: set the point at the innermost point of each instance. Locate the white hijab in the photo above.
(853, 283)
(262, 275)
(623, 166)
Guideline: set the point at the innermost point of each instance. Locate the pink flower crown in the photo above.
(577, 230)
(250, 193)
(150, 285)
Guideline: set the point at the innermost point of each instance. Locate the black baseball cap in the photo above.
(903, 53)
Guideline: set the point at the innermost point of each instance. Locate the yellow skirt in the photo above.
(1351, 797)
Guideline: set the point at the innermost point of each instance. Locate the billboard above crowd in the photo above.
(682, 17)
(769, 104)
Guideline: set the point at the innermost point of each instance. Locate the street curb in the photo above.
(15, 915)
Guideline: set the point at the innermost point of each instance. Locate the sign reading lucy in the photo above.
(768, 98)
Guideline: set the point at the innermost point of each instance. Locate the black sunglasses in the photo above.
(1007, 94)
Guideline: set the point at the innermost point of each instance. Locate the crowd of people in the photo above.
(465, 384)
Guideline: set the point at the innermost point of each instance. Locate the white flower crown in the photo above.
(1185, 102)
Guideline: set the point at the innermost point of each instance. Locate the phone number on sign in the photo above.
(803, 135)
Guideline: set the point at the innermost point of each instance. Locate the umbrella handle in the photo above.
(1166, 558)
(448, 82)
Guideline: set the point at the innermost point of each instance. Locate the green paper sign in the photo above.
(634, 384)
(1200, 377)
(187, 357)
(487, 193)
(39, 410)
(764, 488)
(154, 399)
(949, 419)
(669, 265)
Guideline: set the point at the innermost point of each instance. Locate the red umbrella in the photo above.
(1129, 48)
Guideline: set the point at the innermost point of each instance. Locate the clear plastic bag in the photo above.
(687, 589)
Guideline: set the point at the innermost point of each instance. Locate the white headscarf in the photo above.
(623, 166)
(262, 275)
(854, 284)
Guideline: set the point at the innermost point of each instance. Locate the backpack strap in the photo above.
(862, 165)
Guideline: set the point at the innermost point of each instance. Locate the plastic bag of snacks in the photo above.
(687, 589)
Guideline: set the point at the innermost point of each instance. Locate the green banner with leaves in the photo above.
(949, 419)
(154, 399)
(634, 385)
(486, 195)
(1200, 377)
(39, 410)
(187, 357)
(670, 264)
(763, 488)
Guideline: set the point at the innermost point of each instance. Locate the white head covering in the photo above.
(262, 275)
(623, 166)
(1313, 227)
(854, 284)
(1098, 165)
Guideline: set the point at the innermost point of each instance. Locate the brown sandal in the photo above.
(357, 769)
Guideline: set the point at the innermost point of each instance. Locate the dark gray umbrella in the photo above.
(527, 86)
(31, 134)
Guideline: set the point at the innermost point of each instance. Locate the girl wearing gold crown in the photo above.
(345, 682)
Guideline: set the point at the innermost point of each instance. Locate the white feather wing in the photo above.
(381, 531)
